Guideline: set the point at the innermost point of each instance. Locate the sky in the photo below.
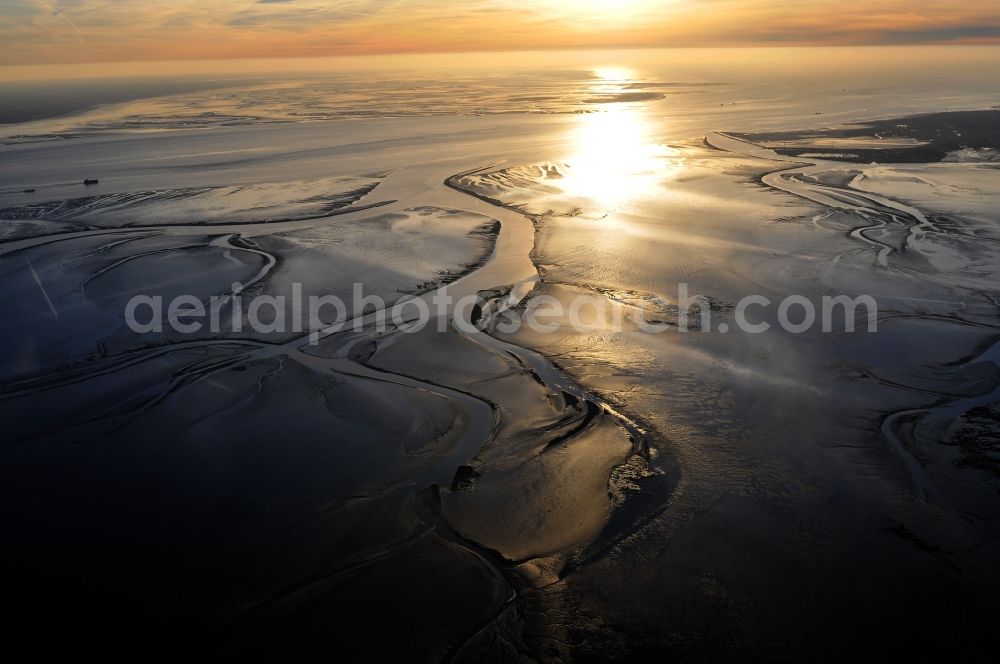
(75, 31)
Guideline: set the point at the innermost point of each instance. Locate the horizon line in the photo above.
(992, 42)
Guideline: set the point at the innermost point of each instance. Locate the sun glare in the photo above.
(614, 74)
(616, 161)
(608, 10)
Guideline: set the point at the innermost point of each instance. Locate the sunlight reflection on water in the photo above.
(616, 158)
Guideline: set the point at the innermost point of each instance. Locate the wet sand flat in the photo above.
(472, 492)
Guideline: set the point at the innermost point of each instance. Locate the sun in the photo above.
(604, 10)
(611, 5)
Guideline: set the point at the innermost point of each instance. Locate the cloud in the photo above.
(36, 31)
(958, 33)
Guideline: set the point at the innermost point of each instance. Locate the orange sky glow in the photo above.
(62, 31)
